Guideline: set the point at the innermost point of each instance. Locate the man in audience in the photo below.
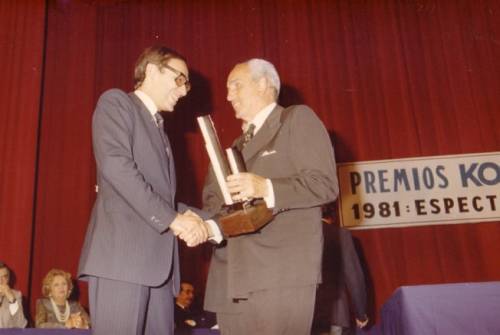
(184, 316)
(350, 291)
(11, 308)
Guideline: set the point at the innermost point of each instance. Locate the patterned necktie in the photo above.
(159, 121)
(161, 128)
(248, 134)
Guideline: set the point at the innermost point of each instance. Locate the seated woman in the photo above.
(55, 311)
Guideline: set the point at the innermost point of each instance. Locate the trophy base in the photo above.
(244, 218)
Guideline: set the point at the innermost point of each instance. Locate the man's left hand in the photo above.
(246, 185)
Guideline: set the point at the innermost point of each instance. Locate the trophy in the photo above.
(235, 218)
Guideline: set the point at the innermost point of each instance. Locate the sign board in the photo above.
(420, 191)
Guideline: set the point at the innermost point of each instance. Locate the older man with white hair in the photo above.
(265, 282)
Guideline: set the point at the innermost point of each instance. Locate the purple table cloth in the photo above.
(34, 331)
(446, 309)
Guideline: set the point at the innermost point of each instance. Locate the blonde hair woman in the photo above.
(55, 310)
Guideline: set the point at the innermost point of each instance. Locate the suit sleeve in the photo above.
(315, 181)
(112, 136)
(182, 207)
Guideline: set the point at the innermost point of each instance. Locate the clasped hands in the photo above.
(193, 230)
(190, 228)
(75, 320)
(7, 292)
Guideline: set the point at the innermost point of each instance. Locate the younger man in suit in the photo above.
(130, 255)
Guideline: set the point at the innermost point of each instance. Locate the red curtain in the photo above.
(22, 25)
(390, 79)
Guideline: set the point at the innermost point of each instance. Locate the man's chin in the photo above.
(238, 115)
(168, 109)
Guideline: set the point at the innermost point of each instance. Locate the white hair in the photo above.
(262, 68)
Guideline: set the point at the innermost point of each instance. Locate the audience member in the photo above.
(350, 288)
(55, 310)
(183, 315)
(11, 308)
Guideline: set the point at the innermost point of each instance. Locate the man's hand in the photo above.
(7, 292)
(362, 324)
(190, 228)
(207, 226)
(246, 185)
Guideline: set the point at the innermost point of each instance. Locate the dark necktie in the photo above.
(248, 134)
(159, 121)
(161, 128)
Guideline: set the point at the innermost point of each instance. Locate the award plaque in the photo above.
(235, 218)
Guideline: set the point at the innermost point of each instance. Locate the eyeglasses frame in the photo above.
(181, 79)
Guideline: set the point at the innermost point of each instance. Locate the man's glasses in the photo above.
(181, 79)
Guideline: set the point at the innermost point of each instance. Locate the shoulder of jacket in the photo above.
(115, 101)
(297, 112)
(115, 96)
(17, 294)
(74, 303)
(114, 92)
(43, 302)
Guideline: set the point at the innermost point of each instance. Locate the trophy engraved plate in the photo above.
(235, 218)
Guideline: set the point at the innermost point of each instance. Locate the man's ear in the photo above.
(262, 84)
(151, 70)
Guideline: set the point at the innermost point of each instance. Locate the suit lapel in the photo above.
(155, 135)
(264, 135)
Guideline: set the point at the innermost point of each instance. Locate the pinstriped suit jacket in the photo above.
(295, 152)
(128, 237)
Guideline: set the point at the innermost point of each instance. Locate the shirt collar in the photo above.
(261, 117)
(148, 102)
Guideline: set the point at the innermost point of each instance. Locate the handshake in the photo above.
(191, 228)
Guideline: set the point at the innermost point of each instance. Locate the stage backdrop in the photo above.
(390, 79)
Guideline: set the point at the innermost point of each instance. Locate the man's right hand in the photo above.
(7, 292)
(362, 323)
(190, 228)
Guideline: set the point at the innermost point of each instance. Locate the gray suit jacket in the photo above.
(12, 321)
(293, 149)
(128, 237)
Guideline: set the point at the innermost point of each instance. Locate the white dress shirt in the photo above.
(148, 102)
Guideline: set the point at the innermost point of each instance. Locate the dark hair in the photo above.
(4, 266)
(157, 55)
